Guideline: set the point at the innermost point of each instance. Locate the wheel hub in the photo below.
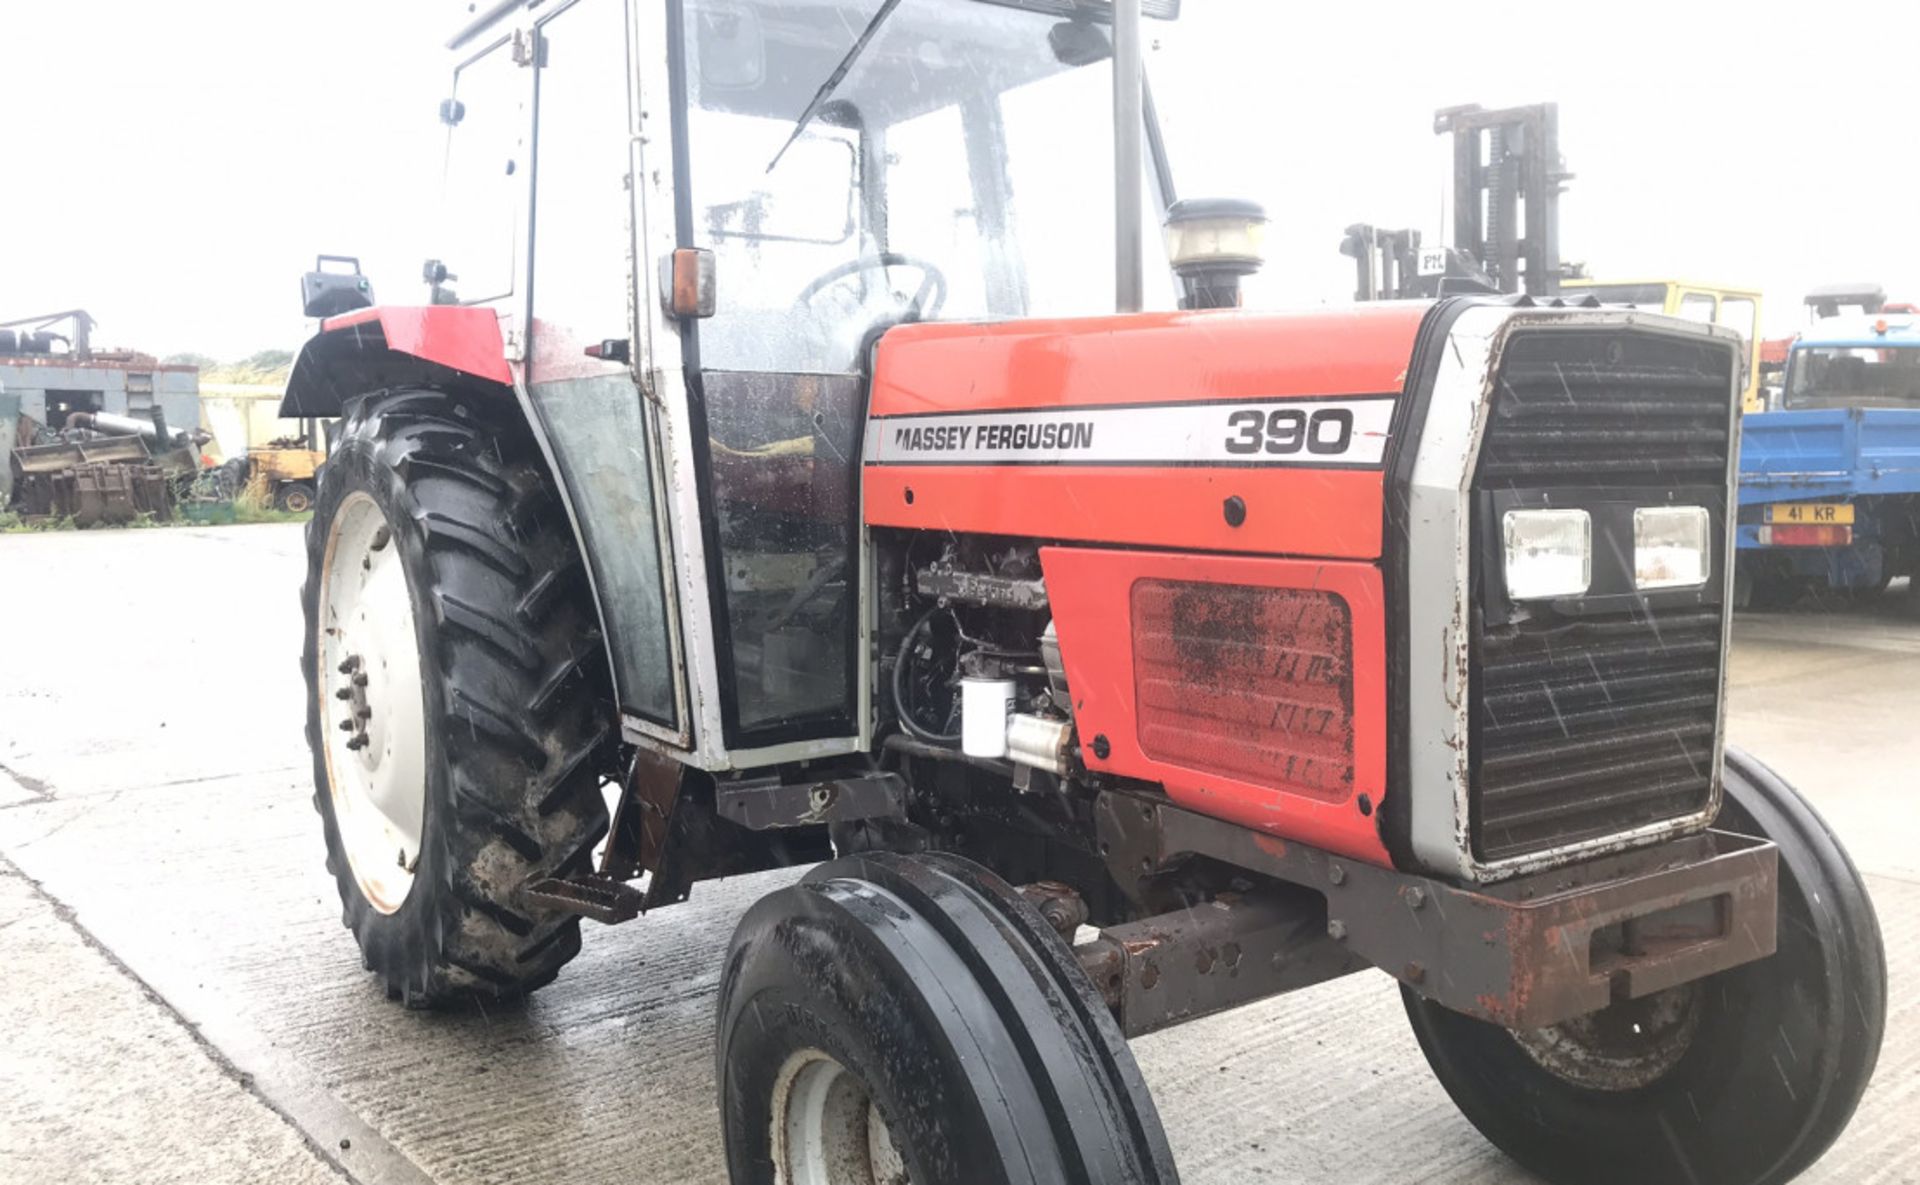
(372, 704)
(827, 1130)
(1624, 1046)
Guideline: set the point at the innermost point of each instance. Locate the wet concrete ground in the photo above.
(178, 1001)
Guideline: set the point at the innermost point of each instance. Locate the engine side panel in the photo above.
(1222, 431)
(1254, 690)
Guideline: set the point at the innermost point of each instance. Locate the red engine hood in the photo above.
(1228, 431)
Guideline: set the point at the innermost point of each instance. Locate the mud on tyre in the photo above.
(449, 628)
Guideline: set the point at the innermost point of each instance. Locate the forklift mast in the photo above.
(1508, 176)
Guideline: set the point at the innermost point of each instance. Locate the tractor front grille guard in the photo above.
(1597, 714)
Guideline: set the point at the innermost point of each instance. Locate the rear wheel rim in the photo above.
(372, 705)
(827, 1130)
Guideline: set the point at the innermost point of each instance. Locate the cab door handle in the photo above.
(610, 350)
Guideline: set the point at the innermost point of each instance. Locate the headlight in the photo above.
(1549, 553)
(1670, 546)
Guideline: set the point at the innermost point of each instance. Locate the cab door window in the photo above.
(482, 218)
(1697, 306)
(1737, 314)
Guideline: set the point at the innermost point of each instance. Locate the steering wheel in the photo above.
(927, 300)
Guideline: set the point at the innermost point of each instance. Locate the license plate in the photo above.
(1810, 513)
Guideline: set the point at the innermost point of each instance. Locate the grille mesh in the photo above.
(1585, 727)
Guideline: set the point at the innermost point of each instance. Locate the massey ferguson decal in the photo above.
(1350, 431)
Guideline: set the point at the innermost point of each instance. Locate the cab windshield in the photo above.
(960, 169)
(1854, 376)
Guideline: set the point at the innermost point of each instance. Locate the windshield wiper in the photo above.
(834, 79)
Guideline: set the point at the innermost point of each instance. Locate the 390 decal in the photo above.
(1324, 432)
(1288, 430)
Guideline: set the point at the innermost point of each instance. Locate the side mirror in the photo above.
(732, 51)
(326, 293)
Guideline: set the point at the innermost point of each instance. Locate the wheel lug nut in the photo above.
(351, 664)
(343, 693)
(360, 679)
(346, 726)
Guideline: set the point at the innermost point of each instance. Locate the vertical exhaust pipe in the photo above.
(1128, 177)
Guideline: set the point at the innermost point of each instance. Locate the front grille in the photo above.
(1596, 723)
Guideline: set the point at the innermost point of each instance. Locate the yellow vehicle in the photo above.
(287, 467)
(1711, 304)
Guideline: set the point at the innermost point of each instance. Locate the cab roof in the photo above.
(1902, 329)
(1669, 281)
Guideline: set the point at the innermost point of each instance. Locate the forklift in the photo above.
(786, 453)
(1508, 177)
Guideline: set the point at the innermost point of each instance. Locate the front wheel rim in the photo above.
(827, 1129)
(372, 706)
(1626, 1046)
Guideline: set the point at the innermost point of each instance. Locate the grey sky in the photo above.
(174, 166)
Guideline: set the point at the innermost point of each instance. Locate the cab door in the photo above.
(583, 354)
(1740, 312)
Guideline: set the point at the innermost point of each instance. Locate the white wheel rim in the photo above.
(372, 704)
(827, 1130)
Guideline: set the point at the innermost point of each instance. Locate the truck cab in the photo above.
(1830, 483)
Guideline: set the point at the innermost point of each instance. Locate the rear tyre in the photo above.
(896, 1019)
(1744, 1078)
(296, 497)
(455, 683)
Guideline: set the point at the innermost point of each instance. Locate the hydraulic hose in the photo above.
(907, 721)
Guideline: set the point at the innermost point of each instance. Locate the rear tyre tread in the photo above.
(482, 543)
(564, 778)
(514, 795)
(483, 626)
(506, 919)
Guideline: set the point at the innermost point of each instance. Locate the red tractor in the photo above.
(757, 454)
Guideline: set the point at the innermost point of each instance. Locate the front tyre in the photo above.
(1744, 1078)
(911, 1019)
(455, 698)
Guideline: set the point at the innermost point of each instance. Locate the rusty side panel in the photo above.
(1253, 690)
(1248, 683)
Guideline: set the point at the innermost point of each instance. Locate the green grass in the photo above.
(193, 514)
(226, 514)
(13, 524)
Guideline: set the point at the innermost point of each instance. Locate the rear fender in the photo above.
(368, 349)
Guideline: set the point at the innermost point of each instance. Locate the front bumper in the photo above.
(1525, 953)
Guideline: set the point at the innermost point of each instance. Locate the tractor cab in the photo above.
(715, 248)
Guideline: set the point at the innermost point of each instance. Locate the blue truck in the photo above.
(1830, 482)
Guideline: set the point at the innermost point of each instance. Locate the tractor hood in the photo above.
(1228, 431)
